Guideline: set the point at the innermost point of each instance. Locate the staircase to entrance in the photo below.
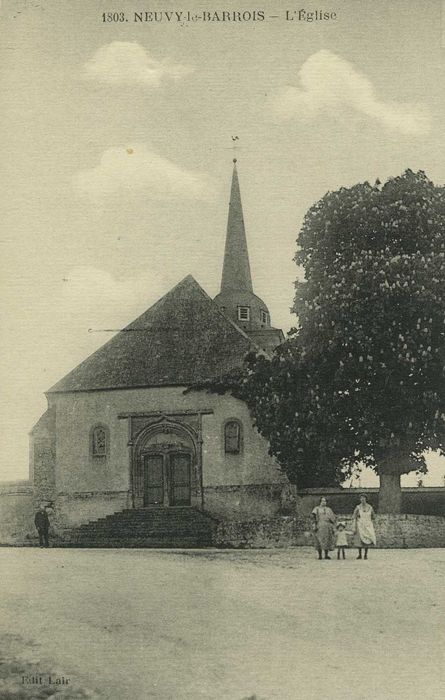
(146, 527)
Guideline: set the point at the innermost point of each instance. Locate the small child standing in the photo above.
(342, 540)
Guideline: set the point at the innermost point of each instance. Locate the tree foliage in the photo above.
(362, 378)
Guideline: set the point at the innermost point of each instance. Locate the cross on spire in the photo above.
(235, 145)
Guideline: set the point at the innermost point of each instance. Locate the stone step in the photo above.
(156, 538)
(149, 517)
(141, 536)
(170, 510)
(186, 518)
(189, 517)
(149, 521)
(148, 527)
(149, 532)
(189, 543)
(163, 527)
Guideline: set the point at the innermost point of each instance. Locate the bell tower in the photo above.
(236, 298)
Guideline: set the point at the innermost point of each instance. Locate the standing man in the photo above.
(41, 521)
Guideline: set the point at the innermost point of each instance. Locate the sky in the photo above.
(117, 158)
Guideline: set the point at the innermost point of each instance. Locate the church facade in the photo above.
(127, 430)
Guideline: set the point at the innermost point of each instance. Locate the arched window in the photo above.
(232, 437)
(99, 440)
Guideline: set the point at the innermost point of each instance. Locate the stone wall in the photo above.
(393, 531)
(68, 474)
(285, 531)
(74, 509)
(42, 454)
(16, 513)
(18, 506)
(407, 530)
(237, 502)
(77, 413)
(420, 501)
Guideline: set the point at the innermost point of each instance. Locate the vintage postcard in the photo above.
(222, 470)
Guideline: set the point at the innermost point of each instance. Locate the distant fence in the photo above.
(416, 501)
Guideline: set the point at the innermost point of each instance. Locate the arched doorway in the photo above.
(165, 471)
(167, 478)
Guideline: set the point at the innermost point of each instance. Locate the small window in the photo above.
(264, 316)
(243, 313)
(232, 437)
(99, 441)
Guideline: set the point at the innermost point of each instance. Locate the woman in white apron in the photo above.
(364, 533)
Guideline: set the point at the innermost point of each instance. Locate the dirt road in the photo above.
(191, 625)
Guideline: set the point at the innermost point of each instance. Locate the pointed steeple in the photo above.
(237, 299)
(236, 268)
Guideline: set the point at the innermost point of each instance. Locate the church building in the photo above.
(123, 431)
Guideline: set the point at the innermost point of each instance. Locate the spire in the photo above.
(236, 269)
(236, 299)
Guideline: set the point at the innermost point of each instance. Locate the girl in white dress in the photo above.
(341, 541)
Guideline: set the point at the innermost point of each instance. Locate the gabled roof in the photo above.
(182, 339)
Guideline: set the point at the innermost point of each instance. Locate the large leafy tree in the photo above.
(362, 377)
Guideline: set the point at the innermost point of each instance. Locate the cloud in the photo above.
(128, 63)
(136, 170)
(93, 297)
(329, 83)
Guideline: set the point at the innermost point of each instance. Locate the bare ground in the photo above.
(191, 625)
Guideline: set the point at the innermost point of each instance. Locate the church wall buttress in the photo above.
(43, 458)
(44, 468)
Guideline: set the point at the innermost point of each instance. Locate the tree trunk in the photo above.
(390, 493)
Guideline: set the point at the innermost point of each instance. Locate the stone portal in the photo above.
(166, 461)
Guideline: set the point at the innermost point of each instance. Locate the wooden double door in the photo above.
(167, 479)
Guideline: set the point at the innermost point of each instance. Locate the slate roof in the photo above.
(236, 273)
(182, 339)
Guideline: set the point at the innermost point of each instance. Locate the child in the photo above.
(341, 541)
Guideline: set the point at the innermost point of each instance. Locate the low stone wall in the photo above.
(393, 531)
(285, 531)
(418, 501)
(18, 506)
(72, 510)
(407, 530)
(424, 501)
(244, 501)
(16, 512)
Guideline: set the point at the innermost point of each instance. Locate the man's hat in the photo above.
(341, 524)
